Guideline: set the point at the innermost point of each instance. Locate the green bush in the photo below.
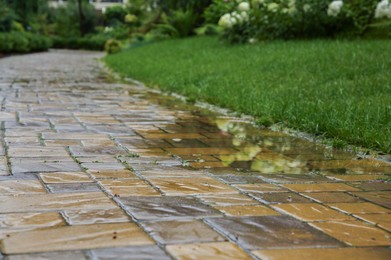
(115, 15)
(112, 46)
(92, 42)
(7, 17)
(287, 19)
(23, 42)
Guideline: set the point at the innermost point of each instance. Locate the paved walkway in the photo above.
(100, 170)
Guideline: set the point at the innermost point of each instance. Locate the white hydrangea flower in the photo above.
(383, 9)
(226, 21)
(273, 7)
(306, 8)
(244, 7)
(334, 8)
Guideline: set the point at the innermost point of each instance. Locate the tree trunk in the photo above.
(81, 17)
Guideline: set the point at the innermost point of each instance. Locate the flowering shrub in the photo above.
(251, 20)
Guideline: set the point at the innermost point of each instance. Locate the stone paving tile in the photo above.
(221, 250)
(277, 198)
(381, 220)
(130, 253)
(38, 166)
(75, 238)
(355, 233)
(382, 198)
(181, 232)
(200, 151)
(246, 210)
(353, 208)
(190, 186)
(373, 186)
(111, 174)
(18, 187)
(296, 178)
(311, 212)
(30, 220)
(95, 216)
(65, 177)
(152, 208)
(363, 177)
(331, 197)
(270, 232)
(325, 254)
(50, 255)
(225, 200)
(50, 202)
(259, 188)
(320, 187)
(73, 187)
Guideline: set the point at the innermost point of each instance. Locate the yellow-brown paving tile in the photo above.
(331, 197)
(97, 216)
(18, 187)
(112, 174)
(201, 158)
(129, 187)
(311, 212)
(188, 186)
(320, 187)
(246, 210)
(324, 254)
(227, 200)
(50, 202)
(62, 143)
(382, 220)
(65, 177)
(133, 191)
(75, 238)
(259, 188)
(355, 233)
(357, 177)
(23, 221)
(218, 250)
(174, 136)
(363, 208)
(208, 165)
(201, 151)
(3, 166)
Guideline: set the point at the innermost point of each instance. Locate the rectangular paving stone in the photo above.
(246, 210)
(293, 178)
(240, 179)
(111, 174)
(174, 136)
(365, 208)
(18, 187)
(356, 177)
(73, 187)
(187, 186)
(50, 202)
(270, 232)
(201, 151)
(227, 199)
(65, 177)
(75, 238)
(30, 220)
(96, 216)
(277, 198)
(331, 197)
(31, 166)
(373, 186)
(325, 253)
(152, 208)
(381, 220)
(259, 188)
(311, 212)
(382, 198)
(320, 187)
(219, 250)
(130, 253)
(50, 255)
(355, 233)
(181, 232)
(34, 151)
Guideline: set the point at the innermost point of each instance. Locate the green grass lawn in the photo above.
(339, 89)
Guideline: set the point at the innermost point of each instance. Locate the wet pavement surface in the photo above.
(93, 169)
